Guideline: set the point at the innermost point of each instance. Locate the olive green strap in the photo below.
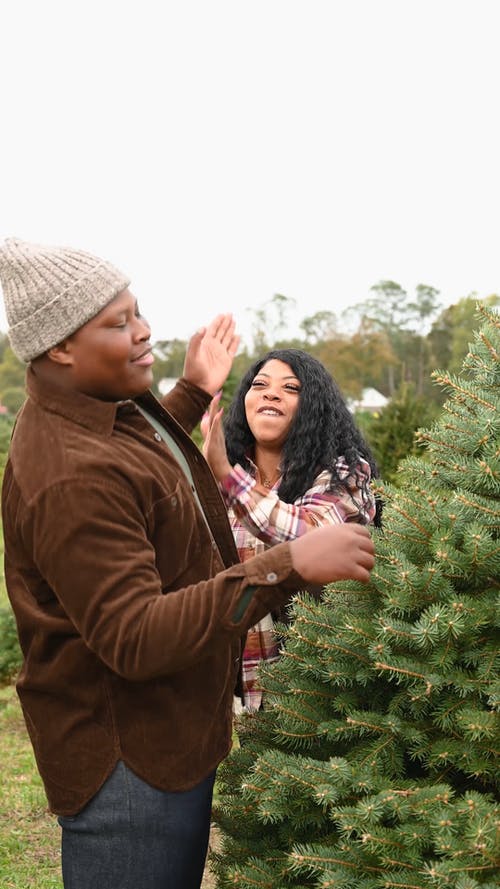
(179, 456)
(247, 594)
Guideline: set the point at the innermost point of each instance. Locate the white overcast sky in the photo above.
(220, 152)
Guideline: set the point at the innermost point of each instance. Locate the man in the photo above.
(121, 568)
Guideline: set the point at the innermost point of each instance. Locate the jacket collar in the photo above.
(91, 413)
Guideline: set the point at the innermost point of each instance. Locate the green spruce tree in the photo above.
(375, 764)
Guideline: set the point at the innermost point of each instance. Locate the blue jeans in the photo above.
(132, 836)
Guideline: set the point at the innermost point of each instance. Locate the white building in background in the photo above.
(371, 400)
(166, 384)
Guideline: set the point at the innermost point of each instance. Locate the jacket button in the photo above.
(272, 577)
(157, 436)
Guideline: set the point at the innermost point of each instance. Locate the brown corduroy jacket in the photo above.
(131, 643)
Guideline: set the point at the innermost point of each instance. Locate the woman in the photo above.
(290, 458)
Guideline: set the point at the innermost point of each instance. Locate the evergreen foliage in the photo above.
(6, 427)
(375, 762)
(391, 432)
(13, 399)
(10, 652)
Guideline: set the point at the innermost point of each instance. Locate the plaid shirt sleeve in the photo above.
(272, 520)
(259, 519)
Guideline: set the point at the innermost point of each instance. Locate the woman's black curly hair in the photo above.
(323, 428)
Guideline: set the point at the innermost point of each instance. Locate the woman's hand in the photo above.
(210, 354)
(214, 445)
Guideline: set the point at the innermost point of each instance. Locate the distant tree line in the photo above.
(386, 341)
(392, 342)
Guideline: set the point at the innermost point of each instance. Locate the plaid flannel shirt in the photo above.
(259, 519)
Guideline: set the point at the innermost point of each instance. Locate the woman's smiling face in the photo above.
(272, 402)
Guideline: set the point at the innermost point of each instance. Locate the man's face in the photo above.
(110, 357)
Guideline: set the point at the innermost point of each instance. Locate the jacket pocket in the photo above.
(177, 532)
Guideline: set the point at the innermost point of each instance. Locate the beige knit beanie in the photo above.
(49, 292)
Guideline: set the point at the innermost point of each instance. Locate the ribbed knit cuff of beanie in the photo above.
(49, 292)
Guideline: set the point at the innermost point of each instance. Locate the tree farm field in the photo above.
(29, 833)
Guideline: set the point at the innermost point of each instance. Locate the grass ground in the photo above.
(29, 835)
